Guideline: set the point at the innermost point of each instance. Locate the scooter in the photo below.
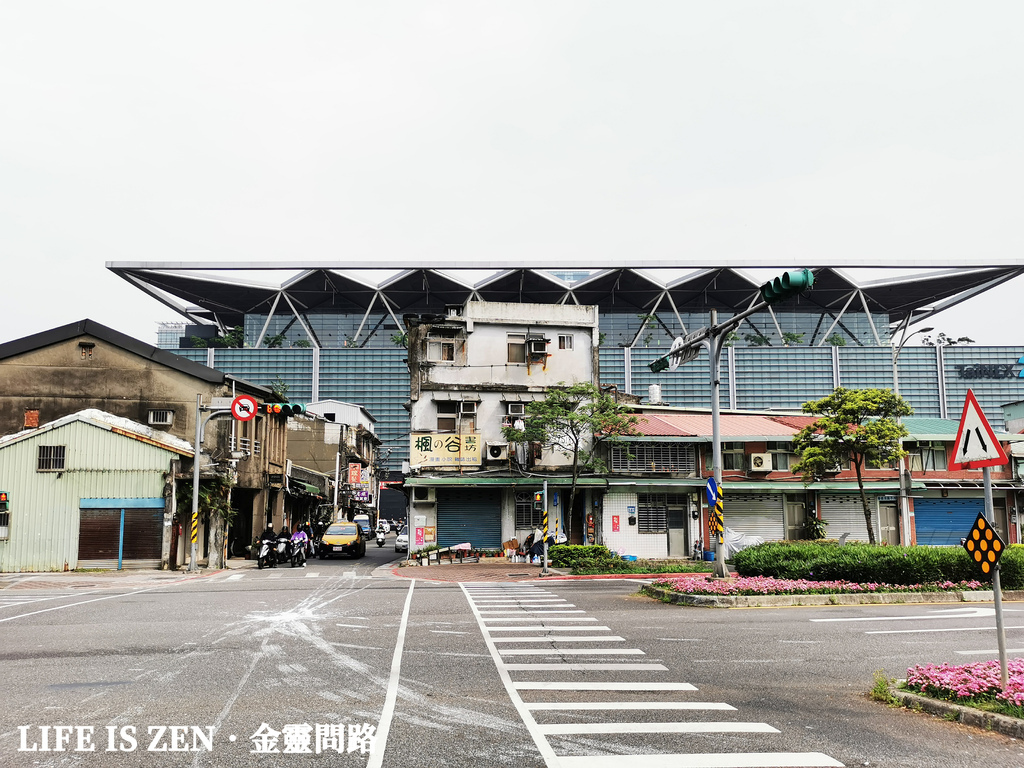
(298, 550)
(283, 549)
(267, 556)
(380, 538)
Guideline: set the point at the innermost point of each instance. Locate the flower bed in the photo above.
(763, 585)
(973, 685)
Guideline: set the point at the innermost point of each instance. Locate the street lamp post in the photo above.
(904, 472)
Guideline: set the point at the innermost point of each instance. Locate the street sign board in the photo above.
(711, 491)
(984, 545)
(221, 403)
(244, 408)
(976, 445)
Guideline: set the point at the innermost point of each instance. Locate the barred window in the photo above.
(654, 457)
(652, 510)
(526, 516)
(51, 458)
(161, 417)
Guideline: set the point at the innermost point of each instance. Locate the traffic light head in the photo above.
(787, 285)
(3, 501)
(285, 409)
(658, 365)
(538, 501)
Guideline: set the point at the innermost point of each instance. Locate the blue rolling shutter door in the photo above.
(471, 514)
(943, 522)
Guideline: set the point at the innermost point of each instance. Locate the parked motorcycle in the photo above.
(266, 554)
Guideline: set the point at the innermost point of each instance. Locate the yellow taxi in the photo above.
(342, 539)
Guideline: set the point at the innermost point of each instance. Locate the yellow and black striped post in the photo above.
(719, 517)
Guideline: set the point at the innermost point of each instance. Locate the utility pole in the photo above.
(684, 349)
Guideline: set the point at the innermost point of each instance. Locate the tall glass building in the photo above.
(338, 332)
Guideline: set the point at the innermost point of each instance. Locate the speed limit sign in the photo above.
(243, 408)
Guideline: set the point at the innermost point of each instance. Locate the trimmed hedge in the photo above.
(863, 563)
(583, 560)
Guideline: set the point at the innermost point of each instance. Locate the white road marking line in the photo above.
(312, 575)
(946, 629)
(571, 667)
(714, 760)
(530, 618)
(571, 652)
(534, 611)
(946, 613)
(542, 628)
(992, 651)
(384, 724)
(561, 729)
(556, 706)
(550, 685)
(448, 632)
(562, 639)
(235, 577)
(353, 626)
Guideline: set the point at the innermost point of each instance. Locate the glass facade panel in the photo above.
(378, 380)
(992, 373)
(268, 367)
(919, 381)
(784, 378)
(865, 367)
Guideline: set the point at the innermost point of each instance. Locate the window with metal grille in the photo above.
(652, 510)
(654, 457)
(51, 458)
(526, 516)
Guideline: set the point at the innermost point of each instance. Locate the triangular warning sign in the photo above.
(976, 445)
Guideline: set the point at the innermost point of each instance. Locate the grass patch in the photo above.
(881, 692)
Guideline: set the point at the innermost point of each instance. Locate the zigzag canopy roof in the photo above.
(225, 293)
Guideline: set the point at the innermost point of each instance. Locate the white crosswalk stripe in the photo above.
(524, 621)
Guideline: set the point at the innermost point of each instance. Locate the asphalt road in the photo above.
(571, 674)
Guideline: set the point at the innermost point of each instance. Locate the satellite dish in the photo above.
(673, 359)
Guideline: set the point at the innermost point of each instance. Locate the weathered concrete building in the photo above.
(472, 372)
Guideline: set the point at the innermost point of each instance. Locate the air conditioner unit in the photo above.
(497, 451)
(517, 409)
(422, 495)
(761, 462)
(467, 407)
(538, 346)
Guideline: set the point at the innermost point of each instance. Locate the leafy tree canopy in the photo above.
(856, 425)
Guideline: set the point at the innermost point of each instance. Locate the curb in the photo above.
(986, 721)
(771, 601)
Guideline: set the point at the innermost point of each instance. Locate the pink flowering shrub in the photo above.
(962, 684)
(765, 585)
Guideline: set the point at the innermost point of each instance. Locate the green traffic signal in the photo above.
(786, 285)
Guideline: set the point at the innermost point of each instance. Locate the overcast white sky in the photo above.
(789, 132)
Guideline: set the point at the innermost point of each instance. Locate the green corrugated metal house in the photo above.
(90, 490)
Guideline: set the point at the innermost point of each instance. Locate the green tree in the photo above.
(856, 425)
(837, 340)
(942, 340)
(790, 339)
(575, 419)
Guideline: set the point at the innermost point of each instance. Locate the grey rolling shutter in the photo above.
(469, 515)
(755, 514)
(844, 514)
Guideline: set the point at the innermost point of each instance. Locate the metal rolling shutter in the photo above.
(943, 522)
(143, 537)
(844, 514)
(755, 514)
(98, 533)
(470, 514)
